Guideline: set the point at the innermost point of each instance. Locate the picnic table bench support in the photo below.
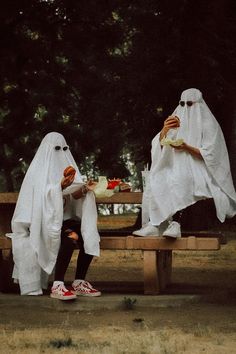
(6, 268)
(157, 267)
(165, 268)
(150, 273)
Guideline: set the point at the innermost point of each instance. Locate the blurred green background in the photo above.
(106, 74)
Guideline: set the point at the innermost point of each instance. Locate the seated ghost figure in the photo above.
(183, 173)
(48, 208)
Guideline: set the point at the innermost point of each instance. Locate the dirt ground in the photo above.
(204, 326)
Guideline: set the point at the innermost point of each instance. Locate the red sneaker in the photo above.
(84, 288)
(60, 292)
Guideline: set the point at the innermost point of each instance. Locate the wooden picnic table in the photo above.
(157, 251)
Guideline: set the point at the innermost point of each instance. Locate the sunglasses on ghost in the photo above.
(188, 103)
(59, 148)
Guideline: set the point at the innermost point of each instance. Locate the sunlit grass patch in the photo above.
(113, 339)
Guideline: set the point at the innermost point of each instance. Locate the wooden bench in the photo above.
(157, 251)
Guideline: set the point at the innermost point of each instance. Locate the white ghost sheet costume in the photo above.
(177, 179)
(38, 216)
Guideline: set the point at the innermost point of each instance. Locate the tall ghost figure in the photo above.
(197, 168)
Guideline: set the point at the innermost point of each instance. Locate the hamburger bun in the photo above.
(178, 120)
(69, 171)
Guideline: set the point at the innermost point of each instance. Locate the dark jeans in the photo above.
(199, 216)
(66, 250)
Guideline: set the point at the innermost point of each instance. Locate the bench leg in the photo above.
(168, 266)
(164, 264)
(150, 272)
(6, 268)
(157, 267)
(1, 270)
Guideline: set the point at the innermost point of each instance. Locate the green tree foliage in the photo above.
(177, 45)
(106, 74)
(56, 76)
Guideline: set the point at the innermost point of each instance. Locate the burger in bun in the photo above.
(69, 171)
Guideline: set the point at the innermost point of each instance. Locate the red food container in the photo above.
(112, 183)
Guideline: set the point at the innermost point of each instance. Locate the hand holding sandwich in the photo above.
(172, 122)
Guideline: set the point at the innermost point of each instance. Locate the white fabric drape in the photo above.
(38, 216)
(178, 179)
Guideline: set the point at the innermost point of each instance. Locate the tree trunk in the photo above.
(9, 180)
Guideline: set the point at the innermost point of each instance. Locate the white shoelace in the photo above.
(84, 285)
(60, 288)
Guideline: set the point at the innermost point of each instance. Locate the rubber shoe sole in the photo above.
(98, 293)
(144, 233)
(138, 233)
(63, 298)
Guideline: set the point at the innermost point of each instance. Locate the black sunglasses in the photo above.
(188, 103)
(59, 148)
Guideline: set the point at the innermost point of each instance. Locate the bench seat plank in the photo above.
(122, 198)
(116, 198)
(147, 243)
(159, 243)
(5, 243)
(8, 198)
